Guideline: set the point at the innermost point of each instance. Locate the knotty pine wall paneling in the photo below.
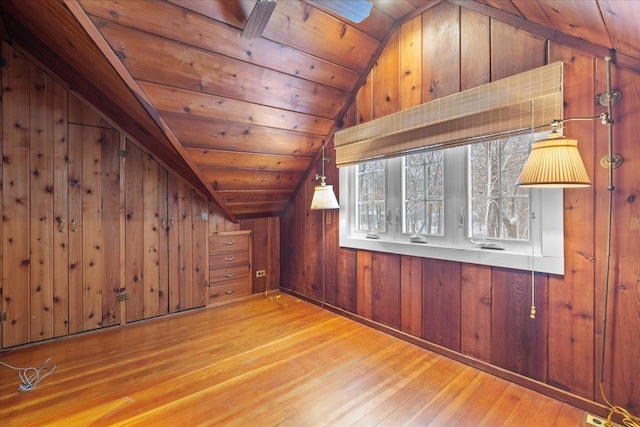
(410, 93)
(572, 319)
(622, 363)
(93, 224)
(81, 224)
(266, 251)
(488, 308)
(41, 204)
(440, 52)
(385, 289)
(15, 198)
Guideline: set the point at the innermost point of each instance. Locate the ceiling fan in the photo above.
(353, 10)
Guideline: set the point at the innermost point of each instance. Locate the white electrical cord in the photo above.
(30, 377)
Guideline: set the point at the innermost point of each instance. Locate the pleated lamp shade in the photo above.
(554, 162)
(324, 198)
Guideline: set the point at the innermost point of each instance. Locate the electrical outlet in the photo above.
(261, 273)
(592, 420)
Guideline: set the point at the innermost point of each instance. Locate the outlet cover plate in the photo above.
(592, 420)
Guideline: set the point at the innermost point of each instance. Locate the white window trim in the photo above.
(548, 259)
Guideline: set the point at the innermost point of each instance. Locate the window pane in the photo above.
(499, 209)
(515, 218)
(371, 196)
(424, 193)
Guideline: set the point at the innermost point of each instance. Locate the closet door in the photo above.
(60, 209)
(146, 234)
(93, 224)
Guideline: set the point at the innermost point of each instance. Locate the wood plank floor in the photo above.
(261, 363)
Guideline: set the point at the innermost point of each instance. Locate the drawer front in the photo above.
(228, 243)
(228, 291)
(228, 259)
(230, 274)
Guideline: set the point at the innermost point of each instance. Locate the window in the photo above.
(454, 203)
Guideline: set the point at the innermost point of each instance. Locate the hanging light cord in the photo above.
(628, 419)
(31, 377)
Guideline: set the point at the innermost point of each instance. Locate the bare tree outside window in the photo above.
(424, 193)
(499, 209)
(371, 190)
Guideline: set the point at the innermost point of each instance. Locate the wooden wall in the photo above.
(480, 311)
(83, 224)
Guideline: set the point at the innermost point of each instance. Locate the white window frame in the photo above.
(544, 253)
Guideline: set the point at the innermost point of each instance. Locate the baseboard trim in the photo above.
(535, 385)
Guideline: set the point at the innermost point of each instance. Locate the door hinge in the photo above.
(3, 316)
(122, 297)
(123, 153)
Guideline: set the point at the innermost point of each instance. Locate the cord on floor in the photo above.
(31, 377)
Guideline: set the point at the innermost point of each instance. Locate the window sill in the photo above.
(472, 254)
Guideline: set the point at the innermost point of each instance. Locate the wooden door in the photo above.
(60, 207)
(188, 249)
(93, 225)
(146, 234)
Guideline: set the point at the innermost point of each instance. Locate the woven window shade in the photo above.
(523, 101)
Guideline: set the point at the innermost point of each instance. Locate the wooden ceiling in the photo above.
(244, 120)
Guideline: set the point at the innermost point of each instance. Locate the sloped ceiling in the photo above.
(244, 120)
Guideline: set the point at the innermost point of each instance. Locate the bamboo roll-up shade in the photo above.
(523, 101)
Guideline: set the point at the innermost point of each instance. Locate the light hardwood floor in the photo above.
(261, 363)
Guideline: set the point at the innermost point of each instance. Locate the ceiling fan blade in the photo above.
(354, 10)
(258, 19)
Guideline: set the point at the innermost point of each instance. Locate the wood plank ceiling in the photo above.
(244, 120)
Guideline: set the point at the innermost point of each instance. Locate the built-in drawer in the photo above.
(228, 259)
(227, 291)
(229, 274)
(227, 243)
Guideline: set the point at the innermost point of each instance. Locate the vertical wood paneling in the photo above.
(331, 245)
(346, 280)
(622, 345)
(441, 302)
(364, 101)
(92, 219)
(364, 270)
(386, 79)
(111, 226)
(150, 236)
(411, 295)
(259, 227)
(411, 63)
(60, 210)
(15, 198)
(175, 300)
(200, 254)
(75, 214)
(475, 39)
(134, 230)
(163, 241)
(571, 309)
(440, 51)
(476, 311)
(300, 233)
(385, 289)
(519, 343)
(41, 204)
(183, 227)
(273, 268)
(514, 51)
(314, 265)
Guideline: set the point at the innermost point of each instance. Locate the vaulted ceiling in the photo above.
(243, 120)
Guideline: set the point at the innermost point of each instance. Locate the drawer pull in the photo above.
(231, 258)
(229, 274)
(230, 291)
(229, 242)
